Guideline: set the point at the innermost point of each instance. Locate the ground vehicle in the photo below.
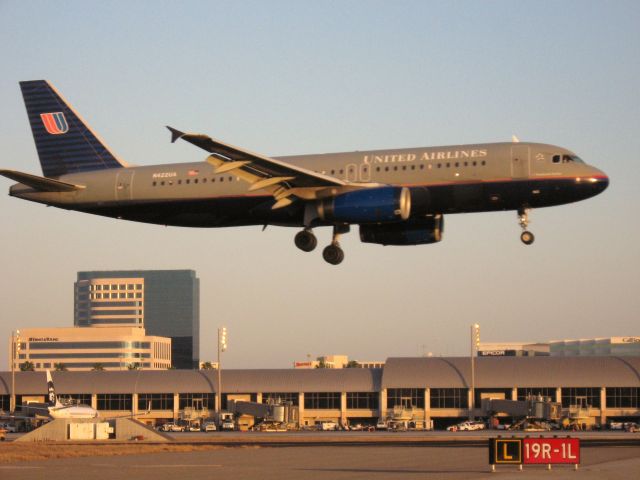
(467, 426)
(209, 427)
(227, 425)
(176, 428)
(194, 428)
(3, 434)
(328, 426)
(8, 428)
(381, 425)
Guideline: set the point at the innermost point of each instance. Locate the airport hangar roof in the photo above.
(434, 372)
(197, 381)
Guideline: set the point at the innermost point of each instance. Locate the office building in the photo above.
(604, 346)
(78, 349)
(165, 302)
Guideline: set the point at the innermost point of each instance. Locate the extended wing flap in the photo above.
(40, 183)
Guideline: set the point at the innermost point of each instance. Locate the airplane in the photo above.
(55, 409)
(396, 197)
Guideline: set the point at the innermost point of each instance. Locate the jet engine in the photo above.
(415, 232)
(369, 205)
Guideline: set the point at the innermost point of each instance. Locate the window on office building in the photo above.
(322, 400)
(159, 401)
(197, 400)
(449, 398)
(114, 401)
(405, 397)
(585, 396)
(623, 397)
(362, 400)
(277, 397)
(523, 393)
(4, 402)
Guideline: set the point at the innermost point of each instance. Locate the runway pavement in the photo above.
(333, 462)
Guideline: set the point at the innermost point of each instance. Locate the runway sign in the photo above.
(550, 450)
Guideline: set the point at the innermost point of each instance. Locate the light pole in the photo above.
(222, 346)
(16, 345)
(475, 343)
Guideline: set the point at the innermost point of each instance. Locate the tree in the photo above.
(133, 366)
(98, 367)
(207, 366)
(353, 364)
(27, 366)
(60, 367)
(321, 363)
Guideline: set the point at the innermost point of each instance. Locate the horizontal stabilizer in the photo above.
(40, 183)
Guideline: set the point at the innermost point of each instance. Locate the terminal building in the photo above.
(592, 389)
(76, 349)
(165, 302)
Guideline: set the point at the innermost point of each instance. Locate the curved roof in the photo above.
(433, 372)
(197, 381)
(510, 372)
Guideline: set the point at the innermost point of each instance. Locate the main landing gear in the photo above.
(306, 241)
(523, 219)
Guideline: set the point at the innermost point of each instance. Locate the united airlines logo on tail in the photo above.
(55, 123)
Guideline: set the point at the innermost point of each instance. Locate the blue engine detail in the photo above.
(415, 232)
(370, 205)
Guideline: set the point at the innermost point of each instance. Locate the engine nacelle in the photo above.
(369, 205)
(416, 232)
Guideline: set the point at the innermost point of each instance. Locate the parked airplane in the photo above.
(397, 197)
(56, 409)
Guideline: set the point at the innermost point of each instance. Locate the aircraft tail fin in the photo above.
(64, 141)
(52, 400)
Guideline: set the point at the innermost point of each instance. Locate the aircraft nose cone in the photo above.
(601, 181)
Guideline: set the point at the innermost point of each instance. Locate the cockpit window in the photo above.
(566, 159)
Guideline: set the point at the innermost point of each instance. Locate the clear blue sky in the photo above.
(317, 76)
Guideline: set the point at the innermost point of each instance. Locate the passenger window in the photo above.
(154, 183)
(377, 169)
(556, 159)
(179, 182)
(448, 165)
(439, 165)
(395, 169)
(204, 180)
(404, 167)
(484, 163)
(187, 181)
(475, 163)
(162, 184)
(386, 169)
(222, 179)
(195, 181)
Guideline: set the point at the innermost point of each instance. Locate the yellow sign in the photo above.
(507, 450)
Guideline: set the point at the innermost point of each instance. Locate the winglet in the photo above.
(515, 139)
(175, 134)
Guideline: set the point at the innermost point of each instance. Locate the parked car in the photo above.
(227, 425)
(381, 425)
(467, 426)
(194, 427)
(331, 426)
(177, 428)
(209, 427)
(8, 427)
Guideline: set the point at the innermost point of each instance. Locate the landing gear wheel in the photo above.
(306, 240)
(527, 237)
(333, 254)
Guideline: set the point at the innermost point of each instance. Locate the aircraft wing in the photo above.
(281, 179)
(40, 183)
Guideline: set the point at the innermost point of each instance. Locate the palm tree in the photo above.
(27, 366)
(207, 366)
(98, 367)
(353, 364)
(60, 367)
(133, 366)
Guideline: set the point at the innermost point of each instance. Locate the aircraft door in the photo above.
(124, 184)
(520, 161)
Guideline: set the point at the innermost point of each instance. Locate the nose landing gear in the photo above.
(523, 219)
